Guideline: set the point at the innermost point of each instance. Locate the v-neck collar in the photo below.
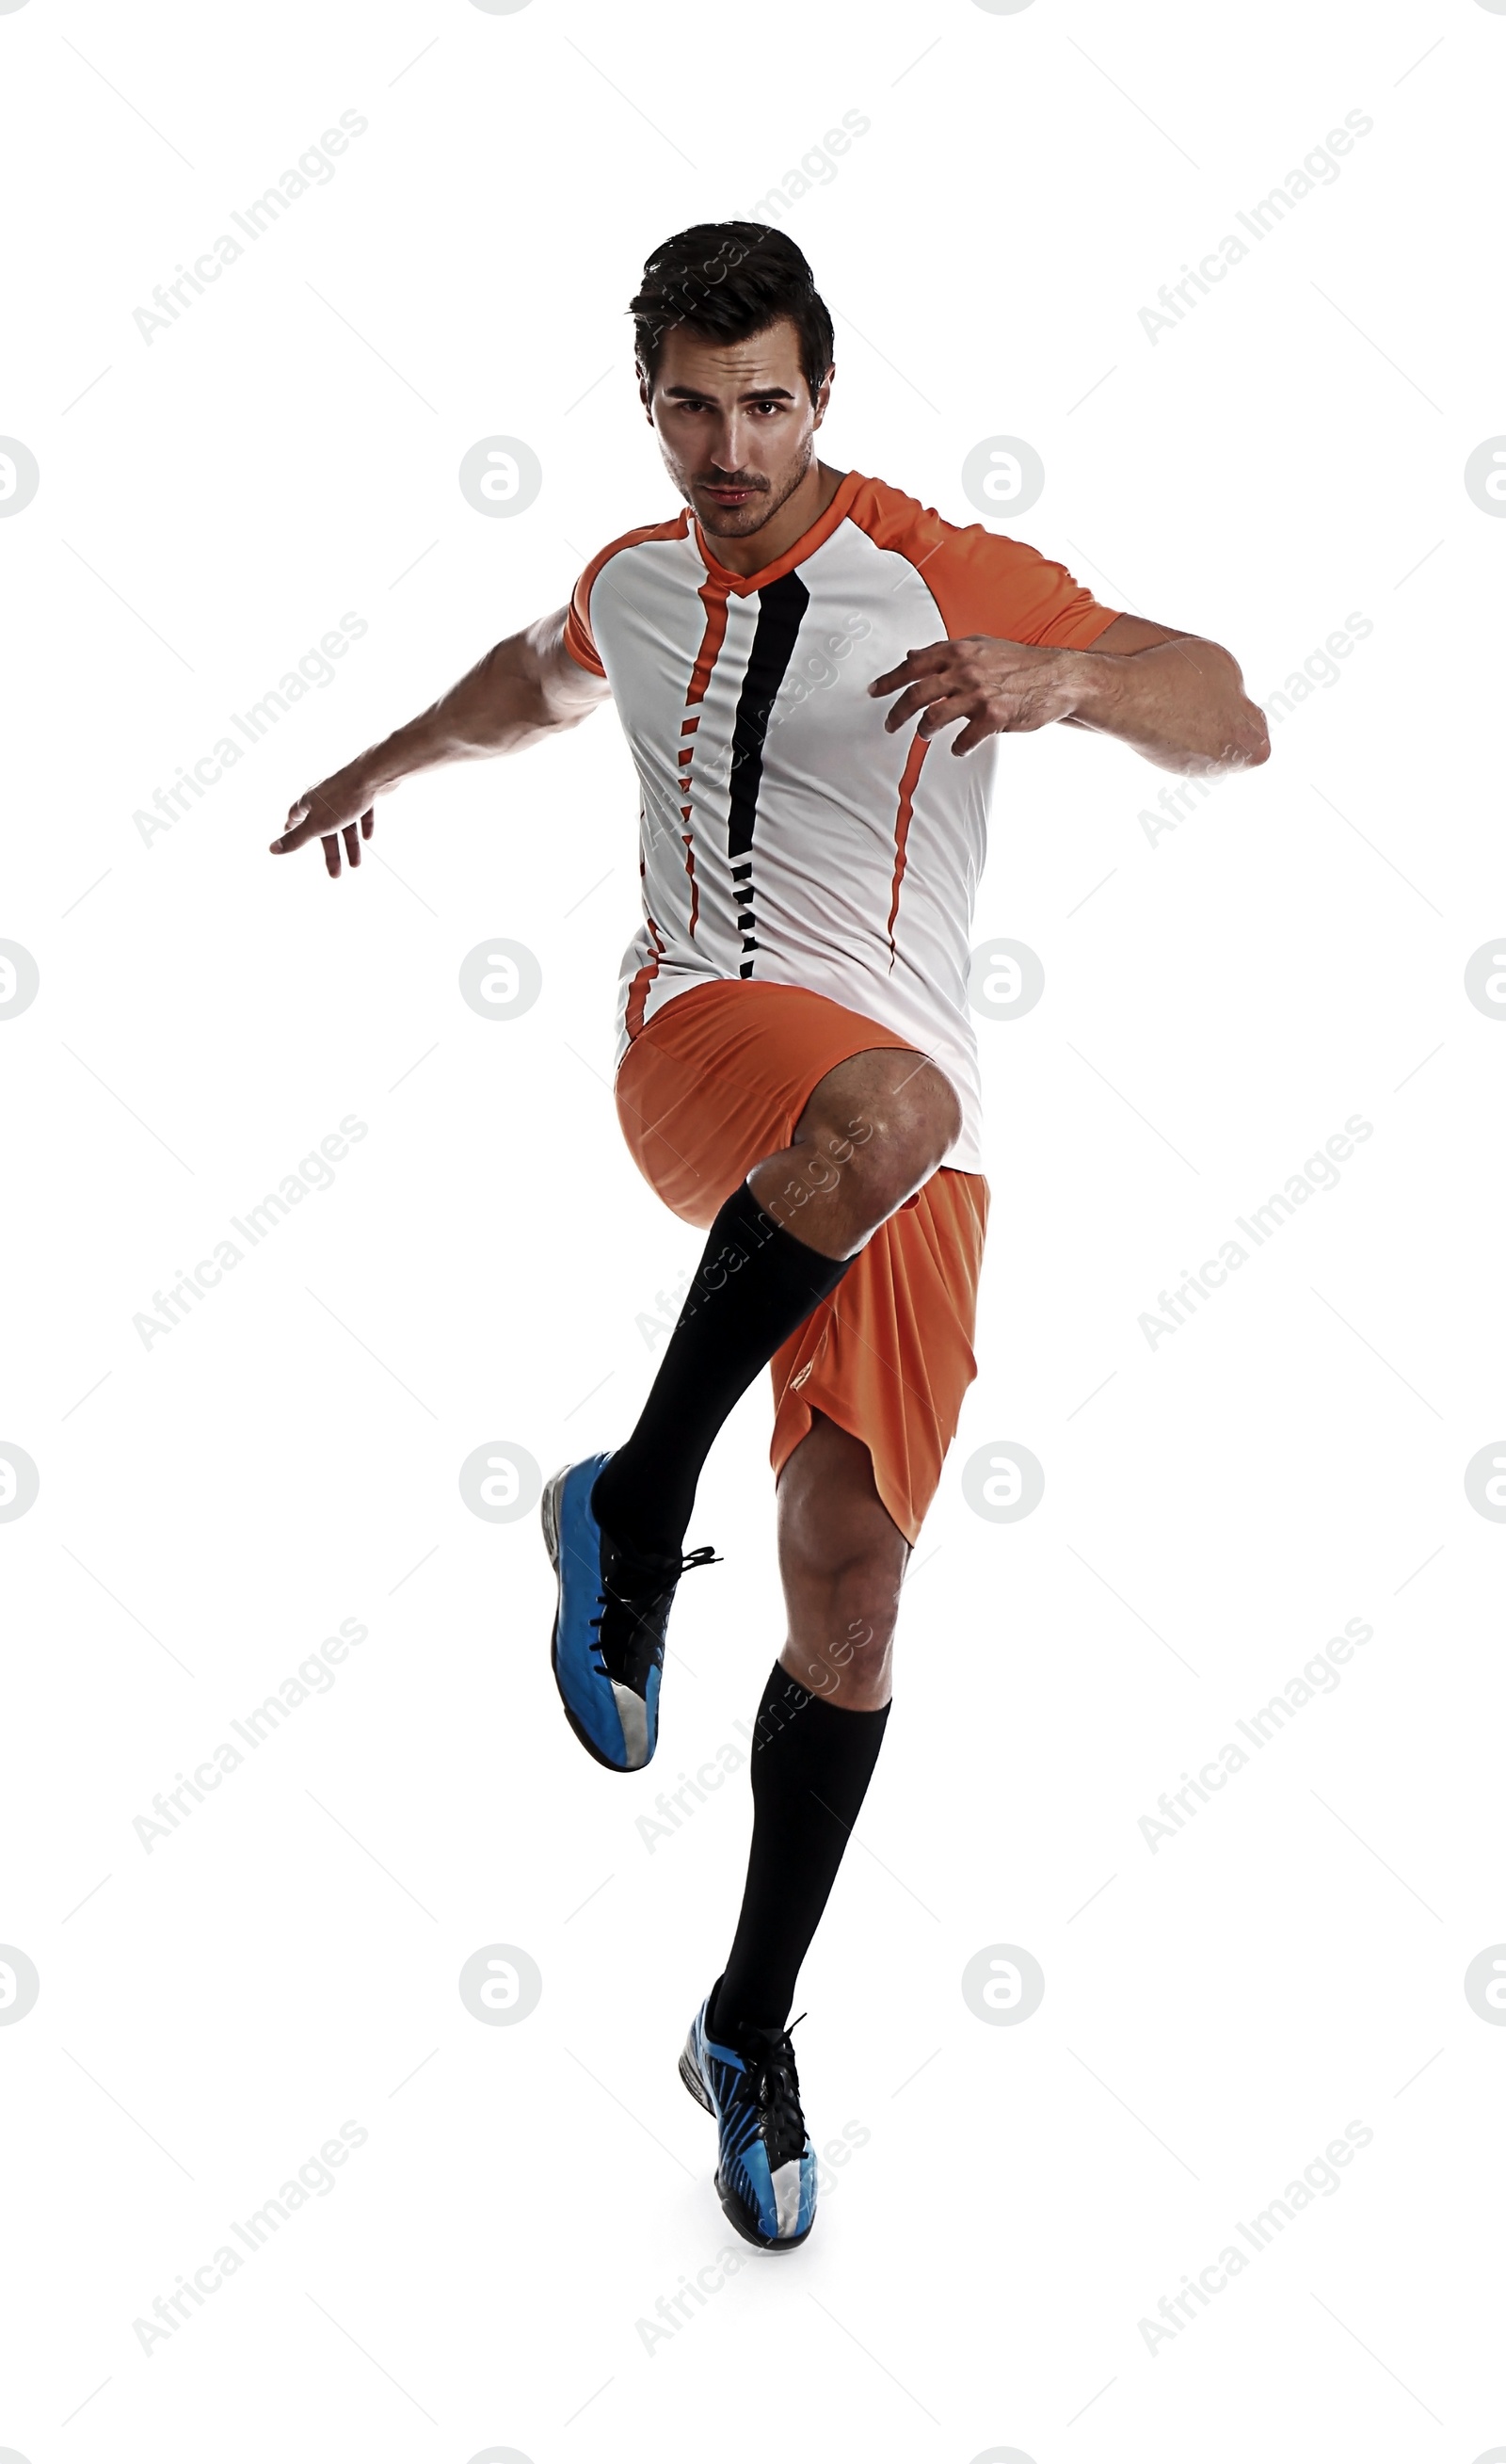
(739, 585)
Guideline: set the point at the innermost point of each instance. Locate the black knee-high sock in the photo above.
(755, 1284)
(811, 1767)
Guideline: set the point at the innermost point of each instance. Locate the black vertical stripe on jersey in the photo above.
(781, 608)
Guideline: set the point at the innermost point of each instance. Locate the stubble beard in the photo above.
(741, 521)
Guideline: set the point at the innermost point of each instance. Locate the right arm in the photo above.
(527, 687)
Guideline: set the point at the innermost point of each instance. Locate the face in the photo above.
(736, 424)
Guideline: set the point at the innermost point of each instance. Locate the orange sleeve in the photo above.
(999, 586)
(579, 640)
(983, 581)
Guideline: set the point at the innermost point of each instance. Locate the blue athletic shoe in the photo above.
(608, 1645)
(766, 2174)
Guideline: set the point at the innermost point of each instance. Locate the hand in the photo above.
(341, 807)
(999, 688)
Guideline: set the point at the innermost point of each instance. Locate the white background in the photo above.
(1216, 2012)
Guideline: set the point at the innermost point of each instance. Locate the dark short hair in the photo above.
(727, 280)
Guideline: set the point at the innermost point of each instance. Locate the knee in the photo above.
(910, 1122)
(850, 1667)
(841, 1625)
(936, 1124)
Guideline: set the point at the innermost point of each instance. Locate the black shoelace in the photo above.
(637, 1609)
(776, 2089)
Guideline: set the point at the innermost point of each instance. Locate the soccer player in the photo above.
(812, 671)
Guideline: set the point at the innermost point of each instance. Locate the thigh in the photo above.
(719, 1078)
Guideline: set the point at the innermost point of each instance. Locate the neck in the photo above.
(801, 508)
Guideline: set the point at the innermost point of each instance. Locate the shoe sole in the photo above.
(693, 2080)
(730, 2208)
(549, 1517)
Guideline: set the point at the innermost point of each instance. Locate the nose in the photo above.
(732, 440)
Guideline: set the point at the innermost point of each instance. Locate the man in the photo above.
(811, 670)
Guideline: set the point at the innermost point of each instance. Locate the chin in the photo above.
(728, 521)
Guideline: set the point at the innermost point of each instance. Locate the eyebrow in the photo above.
(750, 393)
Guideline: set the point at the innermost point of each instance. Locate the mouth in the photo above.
(729, 495)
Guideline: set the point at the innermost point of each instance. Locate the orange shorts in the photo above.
(717, 1080)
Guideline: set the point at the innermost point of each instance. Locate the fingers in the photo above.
(946, 713)
(919, 696)
(302, 825)
(916, 663)
(289, 838)
(305, 823)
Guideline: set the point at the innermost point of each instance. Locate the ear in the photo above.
(823, 398)
(646, 392)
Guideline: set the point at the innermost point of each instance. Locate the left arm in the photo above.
(1174, 698)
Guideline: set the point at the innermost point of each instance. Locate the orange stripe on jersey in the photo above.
(712, 595)
(579, 638)
(638, 992)
(713, 599)
(695, 887)
(909, 779)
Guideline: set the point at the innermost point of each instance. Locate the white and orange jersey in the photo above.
(784, 835)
